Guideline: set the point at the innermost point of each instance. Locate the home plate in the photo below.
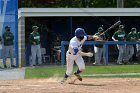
(12, 74)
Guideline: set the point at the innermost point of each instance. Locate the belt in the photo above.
(70, 53)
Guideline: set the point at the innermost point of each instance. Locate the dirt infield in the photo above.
(88, 85)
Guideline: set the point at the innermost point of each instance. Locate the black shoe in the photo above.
(5, 66)
(13, 66)
(78, 76)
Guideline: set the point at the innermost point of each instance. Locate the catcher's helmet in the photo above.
(35, 27)
(79, 32)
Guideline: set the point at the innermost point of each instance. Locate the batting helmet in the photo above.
(79, 32)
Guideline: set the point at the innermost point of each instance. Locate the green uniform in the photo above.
(138, 35)
(8, 38)
(35, 48)
(130, 35)
(99, 49)
(34, 37)
(129, 47)
(107, 36)
(119, 35)
(102, 37)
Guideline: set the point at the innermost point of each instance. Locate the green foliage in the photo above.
(77, 3)
(132, 3)
(46, 72)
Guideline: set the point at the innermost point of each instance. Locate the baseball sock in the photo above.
(78, 71)
(66, 76)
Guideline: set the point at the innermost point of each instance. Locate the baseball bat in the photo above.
(113, 26)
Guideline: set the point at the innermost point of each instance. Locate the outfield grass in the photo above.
(46, 72)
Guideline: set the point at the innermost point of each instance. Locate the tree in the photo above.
(77, 3)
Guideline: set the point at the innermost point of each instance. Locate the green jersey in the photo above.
(130, 35)
(119, 35)
(138, 35)
(103, 37)
(107, 36)
(8, 38)
(34, 37)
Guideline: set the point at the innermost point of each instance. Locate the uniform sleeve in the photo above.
(12, 36)
(3, 36)
(138, 35)
(107, 36)
(128, 36)
(31, 39)
(73, 44)
(114, 36)
(86, 37)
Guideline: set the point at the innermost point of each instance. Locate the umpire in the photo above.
(34, 40)
(8, 39)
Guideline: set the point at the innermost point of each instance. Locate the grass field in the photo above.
(46, 71)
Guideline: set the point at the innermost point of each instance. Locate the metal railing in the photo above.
(64, 43)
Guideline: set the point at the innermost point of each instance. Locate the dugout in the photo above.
(63, 21)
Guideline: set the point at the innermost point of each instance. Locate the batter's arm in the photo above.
(88, 54)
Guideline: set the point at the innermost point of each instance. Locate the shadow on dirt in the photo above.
(86, 84)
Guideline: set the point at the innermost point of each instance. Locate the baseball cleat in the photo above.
(78, 76)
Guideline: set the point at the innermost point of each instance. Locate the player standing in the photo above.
(120, 36)
(74, 53)
(99, 49)
(132, 36)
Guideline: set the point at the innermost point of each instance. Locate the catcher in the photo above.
(74, 53)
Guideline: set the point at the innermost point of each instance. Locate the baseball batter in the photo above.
(74, 53)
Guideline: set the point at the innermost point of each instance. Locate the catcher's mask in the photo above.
(80, 33)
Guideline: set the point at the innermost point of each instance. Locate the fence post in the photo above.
(62, 53)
